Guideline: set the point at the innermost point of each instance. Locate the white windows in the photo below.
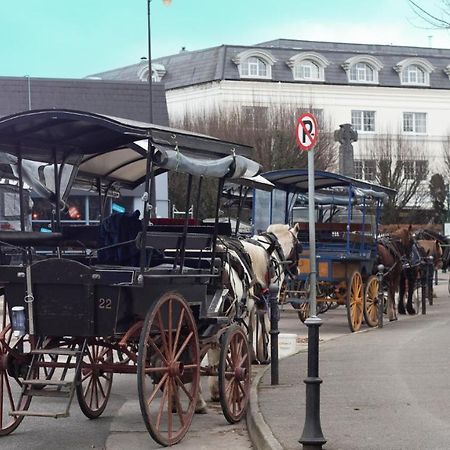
(365, 169)
(254, 63)
(413, 74)
(415, 169)
(363, 120)
(254, 67)
(362, 69)
(361, 72)
(306, 70)
(308, 66)
(414, 71)
(415, 122)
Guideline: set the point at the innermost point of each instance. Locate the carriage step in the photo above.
(47, 382)
(39, 414)
(46, 393)
(55, 351)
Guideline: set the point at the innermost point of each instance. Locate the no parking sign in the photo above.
(306, 131)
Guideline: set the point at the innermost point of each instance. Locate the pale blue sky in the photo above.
(63, 38)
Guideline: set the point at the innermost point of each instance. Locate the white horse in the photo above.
(248, 286)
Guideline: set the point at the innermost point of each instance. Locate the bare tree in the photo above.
(436, 16)
(402, 165)
(269, 130)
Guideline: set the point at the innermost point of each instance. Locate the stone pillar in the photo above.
(345, 136)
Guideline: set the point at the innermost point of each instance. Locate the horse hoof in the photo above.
(202, 410)
(411, 311)
(401, 311)
(392, 319)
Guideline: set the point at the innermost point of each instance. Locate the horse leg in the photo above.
(391, 303)
(213, 382)
(401, 292)
(200, 406)
(412, 276)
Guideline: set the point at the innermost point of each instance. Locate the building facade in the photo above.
(382, 90)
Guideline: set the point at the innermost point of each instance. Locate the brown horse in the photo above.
(393, 250)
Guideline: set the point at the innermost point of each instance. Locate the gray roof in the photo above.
(216, 63)
(117, 98)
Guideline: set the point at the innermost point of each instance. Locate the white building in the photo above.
(378, 88)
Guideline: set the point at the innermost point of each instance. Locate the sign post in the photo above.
(312, 437)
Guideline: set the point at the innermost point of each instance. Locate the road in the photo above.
(121, 425)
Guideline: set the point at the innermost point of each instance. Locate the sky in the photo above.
(74, 39)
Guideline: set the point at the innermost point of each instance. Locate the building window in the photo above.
(415, 169)
(365, 169)
(413, 74)
(358, 168)
(361, 72)
(308, 66)
(306, 70)
(363, 120)
(414, 71)
(254, 67)
(370, 169)
(255, 116)
(414, 122)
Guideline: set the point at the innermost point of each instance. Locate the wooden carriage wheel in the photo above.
(355, 301)
(168, 369)
(94, 383)
(234, 374)
(371, 301)
(13, 369)
(262, 336)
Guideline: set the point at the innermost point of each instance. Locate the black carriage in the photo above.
(127, 295)
(347, 218)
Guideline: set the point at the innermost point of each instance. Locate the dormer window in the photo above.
(414, 71)
(158, 71)
(308, 67)
(254, 64)
(361, 72)
(254, 67)
(362, 69)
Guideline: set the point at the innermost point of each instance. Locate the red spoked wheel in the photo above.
(14, 365)
(234, 374)
(168, 369)
(95, 381)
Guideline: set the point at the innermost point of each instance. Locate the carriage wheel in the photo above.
(13, 369)
(234, 374)
(355, 301)
(94, 383)
(168, 369)
(262, 337)
(371, 302)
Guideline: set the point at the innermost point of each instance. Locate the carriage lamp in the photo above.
(18, 321)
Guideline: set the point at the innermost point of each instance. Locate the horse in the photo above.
(393, 250)
(411, 272)
(250, 266)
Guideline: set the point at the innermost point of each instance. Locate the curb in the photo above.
(259, 432)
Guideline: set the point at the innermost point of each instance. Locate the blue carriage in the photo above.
(347, 218)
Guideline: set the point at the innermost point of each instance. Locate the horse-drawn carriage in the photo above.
(125, 296)
(347, 218)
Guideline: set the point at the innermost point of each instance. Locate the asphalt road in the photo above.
(382, 389)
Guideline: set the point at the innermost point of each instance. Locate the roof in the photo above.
(296, 180)
(216, 63)
(128, 99)
(111, 148)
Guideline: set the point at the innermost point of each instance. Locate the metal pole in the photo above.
(274, 332)
(312, 437)
(380, 272)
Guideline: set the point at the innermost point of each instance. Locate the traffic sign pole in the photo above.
(312, 436)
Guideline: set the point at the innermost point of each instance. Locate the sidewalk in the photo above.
(380, 388)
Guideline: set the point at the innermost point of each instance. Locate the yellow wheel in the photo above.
(371, 302)
(355, 300)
